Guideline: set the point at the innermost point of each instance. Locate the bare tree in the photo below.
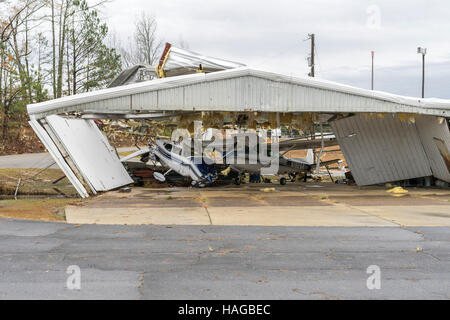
(144, 47)
(181, 43)
(128, 52)
(146, 39)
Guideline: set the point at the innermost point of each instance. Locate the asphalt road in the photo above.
(222, 262)
(27, 160)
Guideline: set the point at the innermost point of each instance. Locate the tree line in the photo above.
(54, 48)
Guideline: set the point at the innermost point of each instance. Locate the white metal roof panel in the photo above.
(58, 157)
(91, 152)
(182, 58)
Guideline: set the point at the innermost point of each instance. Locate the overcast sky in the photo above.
(270, 36)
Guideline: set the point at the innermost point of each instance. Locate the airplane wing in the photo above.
(296, 144)
(328, 162)
(284, 145)
(135, 154)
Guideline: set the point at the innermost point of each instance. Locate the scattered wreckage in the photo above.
(204, 170)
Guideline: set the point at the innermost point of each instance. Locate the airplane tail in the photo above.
(310, 156)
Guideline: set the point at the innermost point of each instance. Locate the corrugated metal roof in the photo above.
(240, 89)
(380, 150)
(128, 76)
(181, 61)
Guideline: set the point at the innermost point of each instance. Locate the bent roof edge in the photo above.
(184, 80)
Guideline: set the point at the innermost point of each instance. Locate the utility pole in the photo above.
(373, 54)
(311, 36)
(311, 57)
(423, 51)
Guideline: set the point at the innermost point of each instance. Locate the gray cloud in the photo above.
(269, 35)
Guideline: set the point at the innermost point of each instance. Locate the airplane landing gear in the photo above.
(198, 184)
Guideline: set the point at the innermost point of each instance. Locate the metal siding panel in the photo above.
(383, 149)
(189, 94)
(146, 100)
(171, 98)
(370, 154)
(390, 137)
(256, 94)
(406, 138)
(412, 168)
(114, 104)
(430, 128)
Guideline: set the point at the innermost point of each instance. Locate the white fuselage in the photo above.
(170, 156)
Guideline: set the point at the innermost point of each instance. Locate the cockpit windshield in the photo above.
(173, 148)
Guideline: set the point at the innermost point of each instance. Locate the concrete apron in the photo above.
(339, 215)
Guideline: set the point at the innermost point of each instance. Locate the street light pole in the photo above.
(423, 75)
(423, 51)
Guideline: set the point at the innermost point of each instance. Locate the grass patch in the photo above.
(32, 184)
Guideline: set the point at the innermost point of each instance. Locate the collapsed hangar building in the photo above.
(383, 137)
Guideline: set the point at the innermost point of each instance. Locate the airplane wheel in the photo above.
(282, 181)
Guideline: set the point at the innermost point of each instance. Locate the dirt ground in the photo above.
(43, 209)
(38, 198)
(21, 139)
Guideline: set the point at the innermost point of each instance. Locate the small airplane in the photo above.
(293, 167)
(170, 155)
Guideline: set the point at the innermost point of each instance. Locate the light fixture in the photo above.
(422, 50)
